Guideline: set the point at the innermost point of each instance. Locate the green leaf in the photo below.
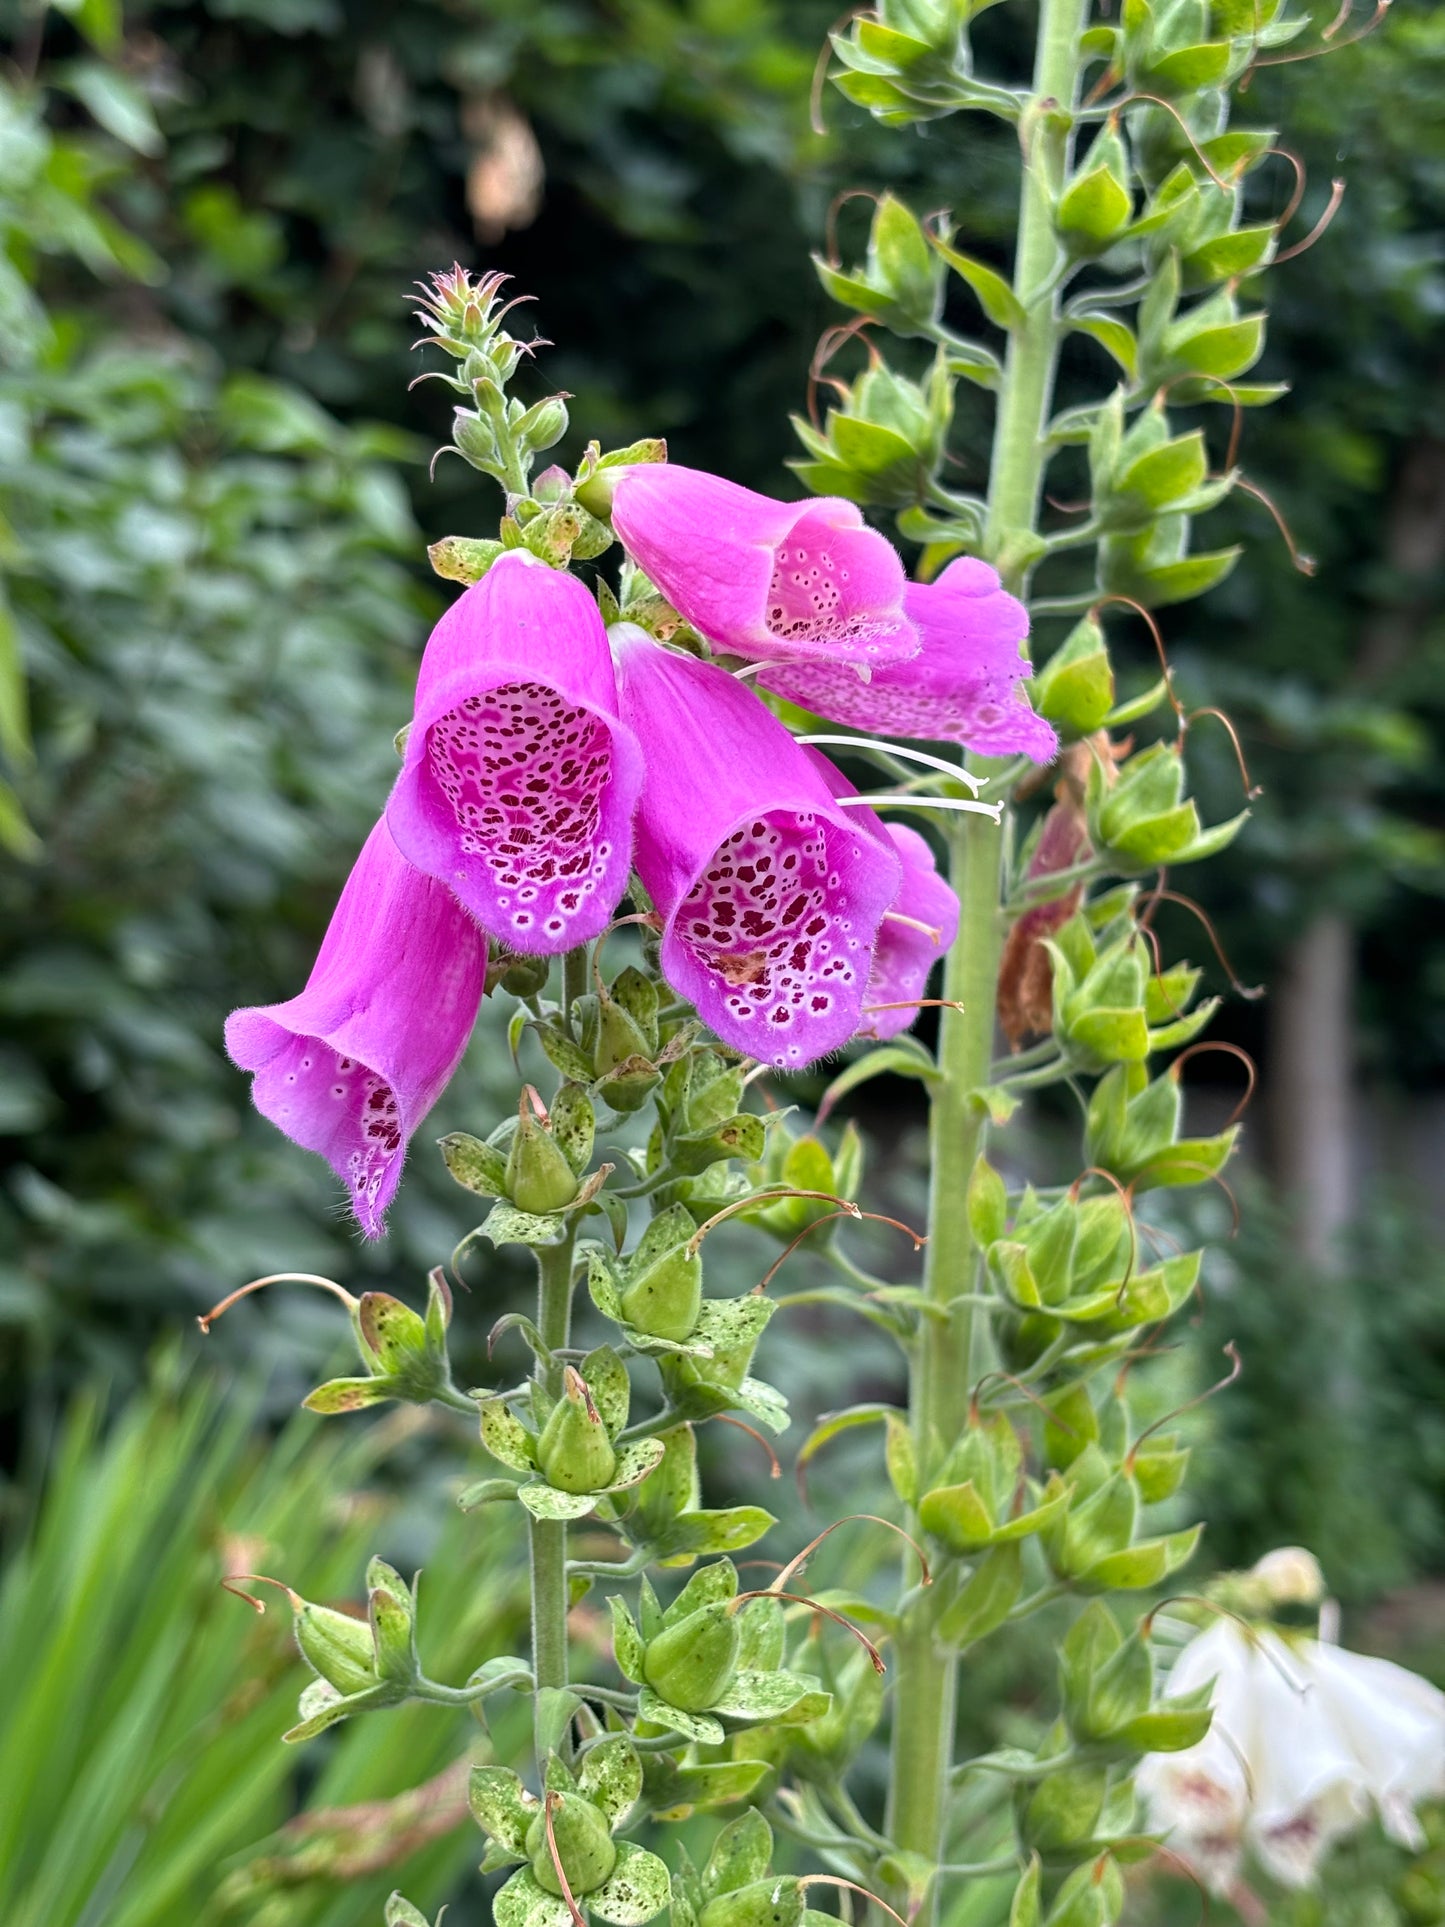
(545, 1501)
(506, 1225)
(1094, 209)
(987, 1599)
(522, 1902)
(501, 1806)
(693, 1726)
(610, 1776)
(627, 1642)
(486, 1492)
(505, 1436)
(726, 1529)
(766, 1696)
(987, 1203)
(348, 1395)
(904, 1059)
(997, 299)
(833, 1424)
(114, 100)
(638, 1887)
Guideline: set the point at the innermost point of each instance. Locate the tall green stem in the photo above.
(944, 1365)
(549, 1536)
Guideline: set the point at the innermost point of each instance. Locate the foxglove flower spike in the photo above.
(351, 1066)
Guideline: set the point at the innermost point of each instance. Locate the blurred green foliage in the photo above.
(141, 1705)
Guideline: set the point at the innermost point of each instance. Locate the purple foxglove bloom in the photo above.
(352, 1066)
(519, 782)
(917, 928)
(770, 895)
(961, 687)
(773, 581)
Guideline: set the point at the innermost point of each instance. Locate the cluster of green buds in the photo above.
(404, 1352)
(572, 1866)
(577, 1457)
(713, 1655)
(737, 1888)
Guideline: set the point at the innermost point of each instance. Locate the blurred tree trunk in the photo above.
(1314, 1102)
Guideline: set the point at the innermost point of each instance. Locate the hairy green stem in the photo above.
(549, 1536)
(945, 1362)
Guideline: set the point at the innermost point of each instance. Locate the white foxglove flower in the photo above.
(1306, 1739)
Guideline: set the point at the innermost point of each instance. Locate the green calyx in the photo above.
(584, 1845)
(539, 1178)
(336, 1646)
(574, 1452)
(774, 1902)
(692, 1664)
(663, 1293)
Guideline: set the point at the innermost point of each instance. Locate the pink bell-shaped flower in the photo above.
(773, 581)
(770, 894)
(519, 782)
(351, 1067)
(917, 928)
(963, 686)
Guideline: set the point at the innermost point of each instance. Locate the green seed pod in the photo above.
(619, 1037)
(336, 1646)
(665, 1299)
(574, 1452)
(774, 1902)
(584, 1845)
(692, 1664)
(539, 1178)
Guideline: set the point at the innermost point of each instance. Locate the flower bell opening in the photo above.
(963, 686)
(524, 774)
(520, 780)
(772, 581)
(833, 591)
(771, 895)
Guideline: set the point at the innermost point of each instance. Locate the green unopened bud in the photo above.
(584, 1845)
(543, 424)
(692, 1664)
(574, 1452)
(475, 438)
(1061, 1811)
(336, 1646)
(628, 1087)
(525, 976)
(539, 1178)
(777, 1901)
(391, 1611)
(664, 1299)
(619, 1037)
(1095, 207)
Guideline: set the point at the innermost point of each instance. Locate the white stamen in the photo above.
(912, 923)
(995, 810)
(955, 770)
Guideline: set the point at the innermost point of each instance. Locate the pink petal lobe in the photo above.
(963, 686)
(351, 1066)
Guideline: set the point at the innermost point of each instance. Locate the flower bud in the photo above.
(474, 437)
(391, 1611)
(544, 424)
(692, 1664)
(663, 1294)
(1289, 1576)
(525, 976)
(574, 1452)
(584, 1845)
(336, 1646)
(539, 1178)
